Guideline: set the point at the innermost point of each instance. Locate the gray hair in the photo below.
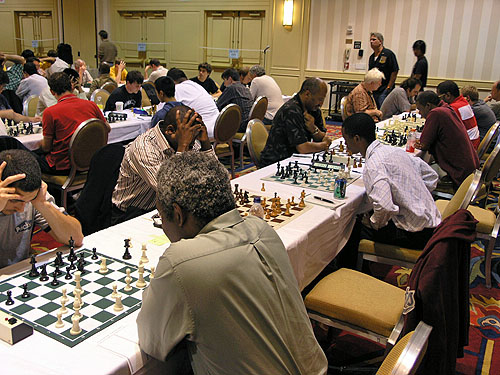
(378, 36)
(198, 183)
(374, 75)
(257, 71)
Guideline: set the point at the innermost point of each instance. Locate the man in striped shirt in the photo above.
(398, 186)
(135, 192)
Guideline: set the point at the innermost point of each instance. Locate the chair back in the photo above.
(99, 93)
(407, 354)
(259, 108)
(227, 123)
(150, 90)
(256, 135)
(109, 86)
(145, 98)
(491, 166)
(342, 108)
(464, 195)
(30, 104)
(90, 136)
(488, 138)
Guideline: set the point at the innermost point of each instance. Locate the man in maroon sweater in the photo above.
(446, 139)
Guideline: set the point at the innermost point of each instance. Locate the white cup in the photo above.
(119, 106)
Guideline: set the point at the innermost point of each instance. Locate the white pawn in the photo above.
(64, 296)
(115, 292)
(128, 280)
(141, 283)
(63, 309)
(59, 323)
(78, 296)
(104, 268)
(118, 304)
(152, 275)
(144, 257)
(75, 329)
(76, 307)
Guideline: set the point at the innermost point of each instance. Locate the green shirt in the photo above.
(231, 292)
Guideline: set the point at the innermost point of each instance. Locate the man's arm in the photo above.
(46, 144)
(379, 193)
(9, 114)
(63, 227)
(224, 99)
(392, 80)
(429, 176)
(16, 59)
(310, 147)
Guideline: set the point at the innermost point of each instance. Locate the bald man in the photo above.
(495, 95)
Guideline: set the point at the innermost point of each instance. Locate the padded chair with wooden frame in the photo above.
(401, 256)
(486, 142)
(90, 136)
(405, 357)
(30, 104)
(490, 170)
(343, 112)
(109, 86)
(145, 99)
(99, 93)
(256, 136)
(225, 128)
(258, 111)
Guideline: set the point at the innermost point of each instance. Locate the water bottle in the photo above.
(257, 209)
(99, 103)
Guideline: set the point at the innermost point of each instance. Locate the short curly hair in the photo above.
(198, 183)
(21, 161)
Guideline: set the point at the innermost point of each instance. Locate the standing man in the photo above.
(203, 79)
(165, 86)
(446, 139)
(157, 71)
(450, 93)
(298, 125)
(264, 85)
(485, 117)
(421, 67)
(385, 60)
(130, 93)
(107, 51)
(495, 95)
(398, 186)
(224, 299)
(236, 93)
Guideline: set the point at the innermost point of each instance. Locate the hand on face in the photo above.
(309, 120)
(187, 130)
(8, 193)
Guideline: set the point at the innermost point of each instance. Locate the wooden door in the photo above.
(220, 37)
(250, 26)
(79, 29)
(155, 36)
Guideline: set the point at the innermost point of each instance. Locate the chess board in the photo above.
(40, 309)
(281, 219)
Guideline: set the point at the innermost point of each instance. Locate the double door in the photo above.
(35, 31)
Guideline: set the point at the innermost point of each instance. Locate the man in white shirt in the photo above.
(32, 83)
(264, 85)
(398, 186)
(194, 96)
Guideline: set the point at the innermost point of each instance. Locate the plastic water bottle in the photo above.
(257, 209)
(99, 103)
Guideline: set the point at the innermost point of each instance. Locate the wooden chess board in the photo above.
(40, 309)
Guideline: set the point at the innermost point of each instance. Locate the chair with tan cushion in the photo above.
(102, 94)
(109, 86)
(490, 170)
(90, 136)
(256, 135)
(258, 111)
(486, 142)
(30, 104)
(342, 108)
(401, 256)
(225, 128)
(145, 98)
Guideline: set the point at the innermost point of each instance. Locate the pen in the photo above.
(324, 199)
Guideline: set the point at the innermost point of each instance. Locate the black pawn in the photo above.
(94, 254)
(34, 272)
(54, 282)
(68, 274)
(43, 275)
(72, 265)
(25, 294)
(9, 301)
(57, 272)
(127, 255)
(82, 259)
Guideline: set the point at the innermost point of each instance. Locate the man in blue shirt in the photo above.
(165, 86)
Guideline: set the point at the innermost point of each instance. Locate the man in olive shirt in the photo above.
(107, 51)
(224, 294)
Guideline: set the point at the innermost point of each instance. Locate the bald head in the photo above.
(313, 85)
(313, 93)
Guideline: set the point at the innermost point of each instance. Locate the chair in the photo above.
(407, 354)
(486, 142)
(256, 137)
(90, 136)
(396, 255)
(145, 98)
(100, 97)
(29, 105)
(258, 111)
(109, 86)
(225, 128)
(490, 170)
(150, 90)
(93, 207)
(342, 108)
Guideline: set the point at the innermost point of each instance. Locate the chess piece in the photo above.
(287, 211)
(72, 264)
(63, 309)
(76, 307)
(115, 292)
(152, 275)
(127, 255)
(94, 254)
(263, 187)
(57, 271)
(25, 294)
(78, 278)
(341, 147)
(43, 274)
(268, 215)
(103, 268)
(34, 272)
(118, 303)
(236, 189)
(292, 202)
(78, 296)
(140, 281)
(301, 203)
(75, 329)
(68, 274)
(64, 296)
(59, 259)
(144, 257)
(9, 301)
(71, 255)
(128, 280)
(54, 282)
(263, 202)
(59, 323)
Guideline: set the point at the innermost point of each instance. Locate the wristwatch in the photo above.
(316, 131)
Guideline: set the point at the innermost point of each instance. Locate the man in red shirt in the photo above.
(60, 121)
(450, 93)
(446, 139)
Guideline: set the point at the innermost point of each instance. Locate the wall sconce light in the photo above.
(287, 12)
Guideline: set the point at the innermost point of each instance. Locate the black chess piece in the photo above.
(9, 301)
(43, 274)
(278, 169)
(306, 179)
(25, 294)
(68, 274)
(71, 255)
(59, 259)
(54, 281)
(236, 189)
(34, 272)
(72, 265)
(94, 254)
(127, 255)
(82, 259)
(80, 266)
(57, 271)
